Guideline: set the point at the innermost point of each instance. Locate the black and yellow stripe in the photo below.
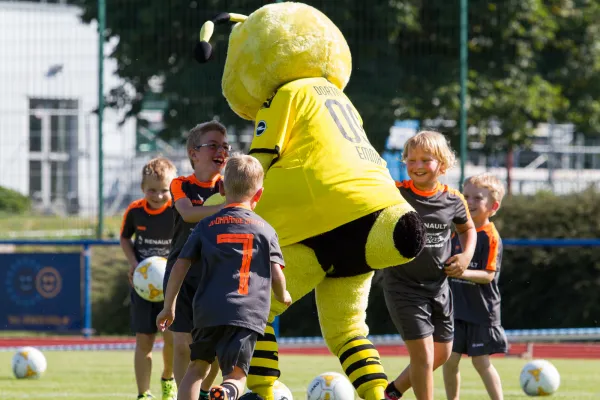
(360, 360)
(264, 367)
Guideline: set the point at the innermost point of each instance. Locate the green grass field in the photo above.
(104, 375)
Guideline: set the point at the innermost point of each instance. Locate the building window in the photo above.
(53, 154)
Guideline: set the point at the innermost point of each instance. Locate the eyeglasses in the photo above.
(214, 147)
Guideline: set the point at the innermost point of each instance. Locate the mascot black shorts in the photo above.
(341, 251)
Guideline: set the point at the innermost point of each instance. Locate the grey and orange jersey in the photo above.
(474, 302)
(153, 229)
(233, 250)
(439, 209)
(197, 192)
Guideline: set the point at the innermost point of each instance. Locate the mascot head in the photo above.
(276, 44)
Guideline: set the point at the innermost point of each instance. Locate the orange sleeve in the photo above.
(127, 225)
(177, 189)
(492, 252)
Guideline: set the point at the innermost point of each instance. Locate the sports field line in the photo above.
(540, 350)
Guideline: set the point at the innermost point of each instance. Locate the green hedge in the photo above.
(541, 287)
(13, 202)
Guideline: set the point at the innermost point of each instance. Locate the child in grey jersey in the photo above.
(239, 260)
(417, 294)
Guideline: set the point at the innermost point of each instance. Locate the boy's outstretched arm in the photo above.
(478, 276)
(458, 263)
(127, 247)
(192, 214)
(278, 284)
(178, 273)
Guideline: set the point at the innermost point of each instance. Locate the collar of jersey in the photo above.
(438, 188)
(208, 184)
(240, 205)
(155, 211)
(487, 227)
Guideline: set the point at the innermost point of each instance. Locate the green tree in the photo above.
(529, 61)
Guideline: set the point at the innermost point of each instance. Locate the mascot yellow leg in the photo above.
(342, 318)
(302, 273)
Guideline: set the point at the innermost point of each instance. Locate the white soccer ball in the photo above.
(28, 363)
(280, 391)
(330, 386)
(539, 378)
(148, 278)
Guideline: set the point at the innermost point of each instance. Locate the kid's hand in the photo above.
(130, 274)
(456, 265)
(165, 319)
(287, 299)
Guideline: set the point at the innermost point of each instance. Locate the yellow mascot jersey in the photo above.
(325, 172)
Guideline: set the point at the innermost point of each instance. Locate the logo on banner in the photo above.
(27, 282)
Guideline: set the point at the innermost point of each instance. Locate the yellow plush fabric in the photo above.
(280, 43)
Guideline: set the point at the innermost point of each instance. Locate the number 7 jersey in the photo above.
(325, 172)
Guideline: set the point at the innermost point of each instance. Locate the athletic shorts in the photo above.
(418, 316)
(478, 340)
(143, 314)
(233, 346)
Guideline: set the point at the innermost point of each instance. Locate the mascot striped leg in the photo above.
(345, 331)
(302, 273)
(264, 367)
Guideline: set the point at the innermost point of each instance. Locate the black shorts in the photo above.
(184, 310)
(341, 251)
(478, 340)
(143, 314)
(233, 346)
(418, 316)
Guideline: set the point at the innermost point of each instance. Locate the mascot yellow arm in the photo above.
(265, 160)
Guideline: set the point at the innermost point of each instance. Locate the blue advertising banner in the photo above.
(41, 292)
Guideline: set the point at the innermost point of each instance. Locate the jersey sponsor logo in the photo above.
(261, 127)
(199, 201)
(437, 239)
(140, 228)
(431, 225)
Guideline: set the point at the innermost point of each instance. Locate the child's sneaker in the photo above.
(169, 389)
(146, 396)
(217, 393)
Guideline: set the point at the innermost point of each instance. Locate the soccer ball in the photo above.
(29, 363)
(280, 392)
(148, 278)
(330, 386)
(539, 378)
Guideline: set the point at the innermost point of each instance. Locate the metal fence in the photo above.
(406, 57)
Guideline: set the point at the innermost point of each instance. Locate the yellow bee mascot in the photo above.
(328, 193)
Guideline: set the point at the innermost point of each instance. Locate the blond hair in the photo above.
(243, 177)
(489, 182)
(434, 143)
(195, 134)
(159, 168)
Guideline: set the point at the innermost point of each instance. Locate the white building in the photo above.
(48, 94)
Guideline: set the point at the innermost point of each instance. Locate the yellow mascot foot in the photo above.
(375, 393)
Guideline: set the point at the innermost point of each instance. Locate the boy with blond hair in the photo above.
(238, 256)
(150, 220)
(477, 328)
(417, 294)
(207, 150)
